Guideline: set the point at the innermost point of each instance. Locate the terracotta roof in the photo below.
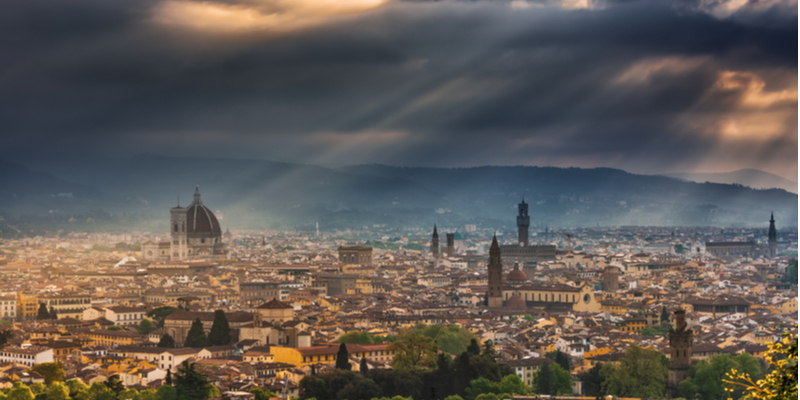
(274, 304)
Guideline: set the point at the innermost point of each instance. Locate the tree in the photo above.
(543, 379)
(115, 384)
(5, 336)
(360, 388)
(488, 350)
(560, 358)
(791, 273)
(473, 347)
(51, 371)
(196, 336)
(37, 388)
(166, 341)
(640, 374)
(664, 314)
(99, 391)
(77, 389)
(114, 328)
(481, 386)
(262, 394)
(220, 330)
(168, 378)
(147, 394)
(343, 358)
(781, 382)
(513, 384)
(20, 392)
(313, 387)
(190, 384)
(160, 314)
(166, 392)
(42, 313)
(145, 327)
(53, 314)
(593, 381)
(364, 367)
(415, 353)
(128, 394)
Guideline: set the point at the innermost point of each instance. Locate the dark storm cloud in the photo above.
(646, 86)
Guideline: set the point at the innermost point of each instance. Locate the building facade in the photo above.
(681, 339)
(361, 255)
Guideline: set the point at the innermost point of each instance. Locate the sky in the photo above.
(648, 86)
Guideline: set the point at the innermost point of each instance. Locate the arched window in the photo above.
(176, 227)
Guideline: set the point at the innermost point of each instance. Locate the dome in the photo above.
(199, 219)
(517, 275)
(516, 301)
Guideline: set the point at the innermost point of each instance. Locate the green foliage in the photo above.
(363, 366)
(781, 382)
(791, 273)
(452, 339)
(197, 336)
(220, 333)
(115, 384)
(52, 371)
(659, 331)
(551, 379)
(415, 353)
(160, 314)
(473, 347)
(42, 313)
(356, 337)
(166, 392)
(114, 328)
(128, 394)
(706, 381)
(509, 385)
(664, 314)
(147, 394)
(469, 367)
(453, 397)
(488, 350)
(77, 389)
(592, 381)
(262, 394)
(343, 358)
(145, 327)
(166, 341)
(560, 358)
(58, 391)
(19, 391)
(99, 391)
(190, 384)
(5, 336)
(640, 374)
(38, 388)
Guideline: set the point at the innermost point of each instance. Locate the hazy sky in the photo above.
(648, 86)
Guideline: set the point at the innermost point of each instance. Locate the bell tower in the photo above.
(680, 346)
(495, 269)
(435, 243)
(523, 222)
(177, 229)
(772, 237)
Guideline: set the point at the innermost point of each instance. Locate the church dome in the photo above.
(517, 274)
(199, 219)
(515, 301)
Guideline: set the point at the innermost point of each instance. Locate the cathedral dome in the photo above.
(199, 219)
(517, 274)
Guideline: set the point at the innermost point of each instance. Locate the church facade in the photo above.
(194, 233)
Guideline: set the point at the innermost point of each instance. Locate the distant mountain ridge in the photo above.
(260, 194)
(753, 178)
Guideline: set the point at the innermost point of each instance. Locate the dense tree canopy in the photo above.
(414, 353)
(51, 371)
(641, 373)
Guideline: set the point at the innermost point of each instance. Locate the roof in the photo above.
(274, 304)
(199, 219)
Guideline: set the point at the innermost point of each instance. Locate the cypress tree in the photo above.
(220, 330)
(544, 379)
(664, 315)
(43, 313)
(168, 379)
(364, 368)
(166, 341)
(343, 358)
(474, 347)
(53, 314)
(196, 336)
(190, 384)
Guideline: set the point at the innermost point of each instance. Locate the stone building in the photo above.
(361, 255)
(523, 251)
(721, 249)
(435, 243)
(495, 268)
(194, 232)
(681, 339)
(178, 323)
(451, 244)
(610, 278)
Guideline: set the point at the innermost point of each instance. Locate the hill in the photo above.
(753, 178)
(272, 195)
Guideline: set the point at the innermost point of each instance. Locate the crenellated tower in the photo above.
(435, 243)
(681, 339)
(523, 222)
(772, 237)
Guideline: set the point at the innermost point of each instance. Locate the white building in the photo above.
(8, 307)
(30, 355)
(119, 315)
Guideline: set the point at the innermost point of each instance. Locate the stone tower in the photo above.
(523, 222)
(680, 346)
(495, 269)
(773, 237)
(435, 243)
(177, 229)
(451, 244)
(610, 279)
